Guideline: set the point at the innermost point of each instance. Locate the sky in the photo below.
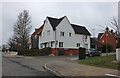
(88, 14)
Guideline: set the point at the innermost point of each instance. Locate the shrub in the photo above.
(61, 52)
(34, 52)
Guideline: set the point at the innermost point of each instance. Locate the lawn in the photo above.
(103, 61)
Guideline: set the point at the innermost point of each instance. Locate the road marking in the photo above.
(113, 75)
(74, 59)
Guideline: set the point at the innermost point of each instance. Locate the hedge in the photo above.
(108, 46)
(34, 52)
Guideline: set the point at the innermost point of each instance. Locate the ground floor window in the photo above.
(60, 44)
(78, 44)
(86, 46)
(51, 44)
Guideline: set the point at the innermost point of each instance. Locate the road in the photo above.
(29, 66)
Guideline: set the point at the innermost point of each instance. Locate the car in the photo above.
(92, 52)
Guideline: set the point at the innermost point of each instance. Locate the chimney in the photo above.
(111, 31)
(107, 29)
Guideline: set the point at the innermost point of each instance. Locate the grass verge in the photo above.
(103, 61)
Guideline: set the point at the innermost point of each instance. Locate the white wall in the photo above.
(69, 41)
(45, 37)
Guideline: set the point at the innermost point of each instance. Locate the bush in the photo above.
(118, 44)
(34, 52)
(61, 52)
(109, 47)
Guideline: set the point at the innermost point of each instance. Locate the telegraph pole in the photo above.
(106, 40)
(93, 32)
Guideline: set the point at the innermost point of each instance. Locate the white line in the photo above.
(113, 75)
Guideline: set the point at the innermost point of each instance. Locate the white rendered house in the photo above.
(59, 33)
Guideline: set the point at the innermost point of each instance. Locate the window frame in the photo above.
(62, 34)
(61, 44)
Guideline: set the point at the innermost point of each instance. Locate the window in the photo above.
(103, 41)
(70, 34)
(106, 34)
(78, 44)
(60, 44)
(61, 33)
(51, 44)
(41, 46)
(48, 32)
(85, 38)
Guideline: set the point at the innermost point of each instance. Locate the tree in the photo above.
(13, 46)
(114, 25)
(22, 29)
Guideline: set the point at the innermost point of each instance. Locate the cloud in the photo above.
(82, 13)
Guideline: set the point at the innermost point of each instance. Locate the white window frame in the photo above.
(78, 44)
(62, 34)
(61, 44)
(70, 34)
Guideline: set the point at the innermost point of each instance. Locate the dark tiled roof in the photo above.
(55, 21)
(99, 35)
(80, 29)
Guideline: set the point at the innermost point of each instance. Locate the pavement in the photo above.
(68, 69)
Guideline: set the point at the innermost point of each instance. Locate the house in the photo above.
(59, 33)
(35, 38)
(108, 37)
(94, 43)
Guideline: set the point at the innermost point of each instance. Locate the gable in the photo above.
(77, 29)
(54, 21)
(99, 35)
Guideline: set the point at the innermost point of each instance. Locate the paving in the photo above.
(69, 68)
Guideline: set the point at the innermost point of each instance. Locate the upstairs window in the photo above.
(85, 38)
(60, 44)
(51, 44)
(70, 34)
(61, 33)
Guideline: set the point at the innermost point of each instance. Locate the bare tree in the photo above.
(22, 29)
(114, 25)
(12, 42)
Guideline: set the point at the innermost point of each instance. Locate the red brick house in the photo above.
(108, 37)
(35, 37)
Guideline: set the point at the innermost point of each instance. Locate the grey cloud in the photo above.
(88, 14)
